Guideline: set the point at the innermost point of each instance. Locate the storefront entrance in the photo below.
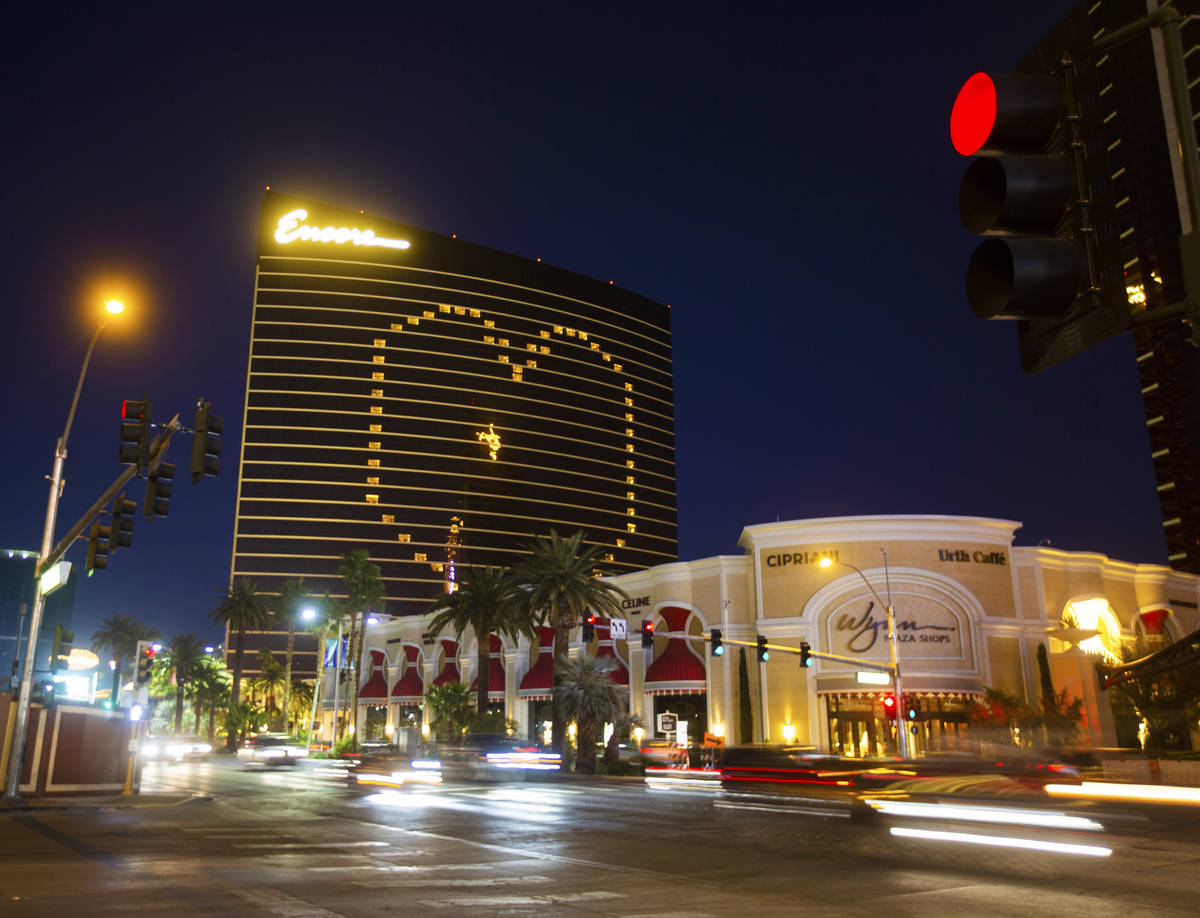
(691, 709)
(859, 727)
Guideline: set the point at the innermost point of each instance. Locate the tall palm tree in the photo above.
(118, 638)
(185, 653)
(210, 688)
(241, 610)
(269, 682)
(292, 596)
(587, 695)
(557, 584)
(483, 603)
(364, 589)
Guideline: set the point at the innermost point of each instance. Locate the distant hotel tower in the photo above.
(439, 404)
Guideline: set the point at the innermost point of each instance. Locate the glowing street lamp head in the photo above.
(308, 614)
(825, 562)
(114, 307)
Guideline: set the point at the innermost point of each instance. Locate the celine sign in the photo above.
(291, 229)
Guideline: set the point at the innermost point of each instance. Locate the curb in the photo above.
(93, 805)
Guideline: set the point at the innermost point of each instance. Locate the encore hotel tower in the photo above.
(439, 404)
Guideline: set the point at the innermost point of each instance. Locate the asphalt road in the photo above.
(298, 844)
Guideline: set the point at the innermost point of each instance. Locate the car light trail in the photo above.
(1144, 793)
(991, 814)
(1001, 841)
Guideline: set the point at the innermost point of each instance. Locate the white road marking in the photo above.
(278, 903)
(515, 901)
(329, 844)
(400, 868)
(415, 882)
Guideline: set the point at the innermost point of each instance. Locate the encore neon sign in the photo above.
(290, 229)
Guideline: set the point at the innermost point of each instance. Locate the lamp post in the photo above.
(901, 736)
(13, 783)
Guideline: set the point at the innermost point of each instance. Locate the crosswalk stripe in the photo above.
(278, 903)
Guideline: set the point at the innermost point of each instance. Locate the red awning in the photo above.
(375, 688)
(449, 671)
(677, 670)
(410, 688)
(495, 670)
(538, 683)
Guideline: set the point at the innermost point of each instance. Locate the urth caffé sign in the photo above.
(925, 629)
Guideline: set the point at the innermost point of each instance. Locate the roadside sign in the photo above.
(667, 723)
(618, 628)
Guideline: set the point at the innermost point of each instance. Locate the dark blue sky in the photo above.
(782, 178)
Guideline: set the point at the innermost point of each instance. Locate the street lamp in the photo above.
(12, 789)
(901, 736)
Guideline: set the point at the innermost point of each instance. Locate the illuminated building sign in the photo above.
(290, 229)
(491, 438)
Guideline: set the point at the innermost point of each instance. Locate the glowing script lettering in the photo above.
(290, 229)
(491, 438)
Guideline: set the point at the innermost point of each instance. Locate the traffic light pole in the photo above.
(1168, 21)
(50, 556)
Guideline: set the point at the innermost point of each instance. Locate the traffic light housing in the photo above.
(1040, 189)
(647, 633)
(145, 662)
(716, 640)
(805, 655)
(97, 552)
(889, 705)
(121, 533)
(158, 491)
(206, 443)
(912, 709)
(135, 433)
(763, 653)
(60, 647)
(589, 628)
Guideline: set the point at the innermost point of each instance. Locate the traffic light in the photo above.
(145, 662)
(135, 433)
(121, 534)
(912, 710)
(718, 644)
(60, 647)
(206, 443)
(158, 491)
(1040, 188)
(97, 552)
(647, 633)
(889, 704)
(805, 655)
(763, 653)
(589, 628)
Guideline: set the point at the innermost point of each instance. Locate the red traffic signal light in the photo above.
(647, 633)
(889, 703)
(589, 628)
(145, 663)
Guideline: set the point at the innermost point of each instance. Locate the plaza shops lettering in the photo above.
(866, 630)
(800, 557)
(979, 557)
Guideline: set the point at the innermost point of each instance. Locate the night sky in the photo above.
(783, 179)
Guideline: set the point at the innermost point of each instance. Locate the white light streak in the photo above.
(991, 814)
(1000, 841)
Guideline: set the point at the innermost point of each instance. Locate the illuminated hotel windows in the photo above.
(300, 505)
(420, 556)
(372, 498)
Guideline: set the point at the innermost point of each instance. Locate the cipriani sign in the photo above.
(291, 229)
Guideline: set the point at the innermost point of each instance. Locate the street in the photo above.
(298, 843)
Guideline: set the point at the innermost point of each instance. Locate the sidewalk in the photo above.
(99, 803)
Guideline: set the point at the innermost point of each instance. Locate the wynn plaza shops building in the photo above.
(971, 610)
(440, 404)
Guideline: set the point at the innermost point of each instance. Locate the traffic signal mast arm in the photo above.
(787, 648)
(157, 450)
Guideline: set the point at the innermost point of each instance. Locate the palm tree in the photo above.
(118, 638)
(483, 603)
(210, 689)
(587, 695)
(185, 654)
(450, 704)
(558, 583)
(241, 610)
(292, 596)
(364, 589)
(269, 682)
